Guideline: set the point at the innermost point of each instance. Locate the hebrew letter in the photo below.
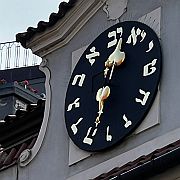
(146, 95)
(114, 41)
(151, 45)
(149, 68)
(76, 104)
(127, 122)
(91, 57)
(143, 35)
(74, 126)
(80, 78)
(134, 34)
(88, 140)
(108, 136)
(113, 34)
(120, 31)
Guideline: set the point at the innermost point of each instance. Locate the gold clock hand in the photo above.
(115, 59)
(101, 96)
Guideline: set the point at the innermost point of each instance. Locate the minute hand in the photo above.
(115, 59)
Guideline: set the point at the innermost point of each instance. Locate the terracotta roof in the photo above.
(147, 165)
(18, 132)
(10, 156)
(42, 26)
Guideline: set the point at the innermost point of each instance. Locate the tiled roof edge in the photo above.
(64, 7)
(10, 157)
(118, 172)
(17, 139)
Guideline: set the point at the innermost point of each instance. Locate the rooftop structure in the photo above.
(13, 55)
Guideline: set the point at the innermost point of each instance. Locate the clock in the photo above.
(113, 86)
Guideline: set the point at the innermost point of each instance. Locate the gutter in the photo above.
(151, 168)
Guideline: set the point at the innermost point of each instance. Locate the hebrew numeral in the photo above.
(88, 140)
(113, 42)
(80, 78)
(144, 100)
(113, 34)
(76, 104)
(151, 45)
(134, 35)
(120, 31)
(108, 136)
(74, 126)
(91, 57)
(143, 35)
(149, 68)
(127, 122)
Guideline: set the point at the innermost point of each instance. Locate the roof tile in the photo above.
(3, 156)
(21, 149)
(10, 157)
(31, 144)
(139, 161)
(64, 7)
(10, 154)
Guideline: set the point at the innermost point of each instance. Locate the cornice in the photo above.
(61, 33)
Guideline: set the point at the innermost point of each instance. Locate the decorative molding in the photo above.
(29, 154)
(25, 155)
(58, 36)
(114, 9)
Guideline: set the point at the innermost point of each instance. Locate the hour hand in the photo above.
(115, 59)
(101, 96)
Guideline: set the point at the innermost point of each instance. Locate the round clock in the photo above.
(113, 86)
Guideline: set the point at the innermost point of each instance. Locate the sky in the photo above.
(17, 15)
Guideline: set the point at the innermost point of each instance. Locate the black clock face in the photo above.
(113, 86)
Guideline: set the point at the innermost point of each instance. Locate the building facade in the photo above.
(151, 151)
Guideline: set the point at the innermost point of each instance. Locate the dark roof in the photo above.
(20, 74)
(21, 125)
(147, 165)
(42, 26)
(18, 132)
